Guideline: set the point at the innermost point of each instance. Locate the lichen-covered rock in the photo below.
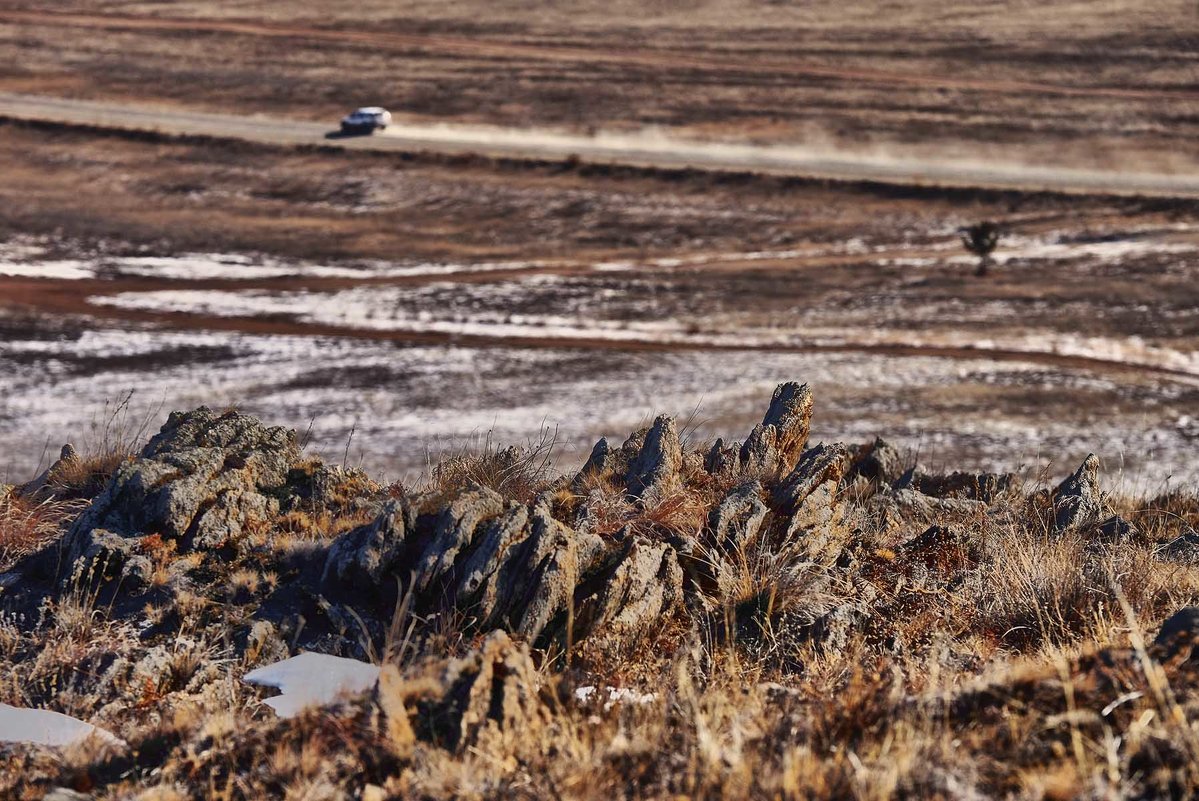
(655, 471)
(456, 525)
(184, 474)
(818, 466)
(229, 517)
(640, 585)
(1078, 502)
(371, 551)
(775, 445)
(489, 697)
(737, 520)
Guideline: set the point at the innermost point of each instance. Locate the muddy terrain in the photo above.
(404, 307)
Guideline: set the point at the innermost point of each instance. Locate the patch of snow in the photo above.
(44, 727)
(615, 695)
(63, 270)
(1037, 249)
(373, 309)
(312, 679)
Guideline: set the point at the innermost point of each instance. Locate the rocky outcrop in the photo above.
(370, 552)
(654, 473)
(776, 443)
(516, 567)
(198, 483)
(605, 556)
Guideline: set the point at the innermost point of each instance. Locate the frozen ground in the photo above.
(1098, 333)
(388, 407)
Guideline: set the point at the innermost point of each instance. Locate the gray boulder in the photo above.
(199, 482)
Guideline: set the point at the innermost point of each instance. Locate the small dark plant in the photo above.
(981, 240)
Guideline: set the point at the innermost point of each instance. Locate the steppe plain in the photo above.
(762, 615)
(455, 296)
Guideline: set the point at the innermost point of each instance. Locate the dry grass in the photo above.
(26, 525)
(880, 659)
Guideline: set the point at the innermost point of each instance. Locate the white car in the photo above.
(365, 120)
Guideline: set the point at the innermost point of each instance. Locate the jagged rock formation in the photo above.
(199, 484)
(551, 579)
(655, 471)
(775, 444)
(558, 570)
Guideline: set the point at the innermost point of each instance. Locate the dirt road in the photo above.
(649, 149)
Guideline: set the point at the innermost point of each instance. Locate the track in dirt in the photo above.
(435, 44)
(652, 152)
(65, 299)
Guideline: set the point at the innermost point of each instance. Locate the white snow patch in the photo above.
(1036, 249)
(44, 727)
(312, 679)
(615, 695)
(367, 308)
(61, 270)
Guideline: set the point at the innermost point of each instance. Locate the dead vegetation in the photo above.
(770, 618)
